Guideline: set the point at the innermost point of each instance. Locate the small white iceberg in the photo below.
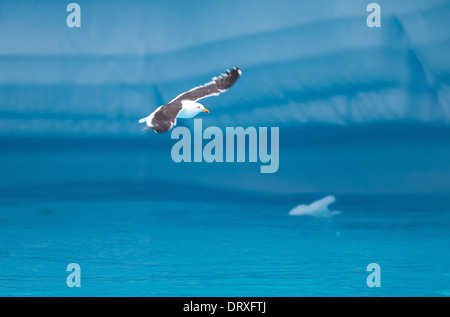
(319, 208)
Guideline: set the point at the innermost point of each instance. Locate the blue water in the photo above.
(139, 224)
(220, 243)
(363, 115)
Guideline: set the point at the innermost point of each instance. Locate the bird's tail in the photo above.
(143, 120)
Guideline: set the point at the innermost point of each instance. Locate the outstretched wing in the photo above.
(216, 86)
(165, 117)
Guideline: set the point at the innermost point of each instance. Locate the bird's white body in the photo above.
(190, 109)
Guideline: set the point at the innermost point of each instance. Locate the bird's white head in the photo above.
(191, 109)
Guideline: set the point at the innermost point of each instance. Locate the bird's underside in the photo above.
(165, 117)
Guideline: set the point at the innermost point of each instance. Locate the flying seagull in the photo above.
(185, 106)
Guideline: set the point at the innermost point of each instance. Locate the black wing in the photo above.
(216, 86)
(166, 117)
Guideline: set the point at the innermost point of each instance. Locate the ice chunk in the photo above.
(319, 208)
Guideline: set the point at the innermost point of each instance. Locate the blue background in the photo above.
(363, 113)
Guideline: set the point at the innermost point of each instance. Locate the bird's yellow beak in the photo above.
(206, 110)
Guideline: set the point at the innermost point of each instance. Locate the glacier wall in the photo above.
(304, 62)
(360, 110)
